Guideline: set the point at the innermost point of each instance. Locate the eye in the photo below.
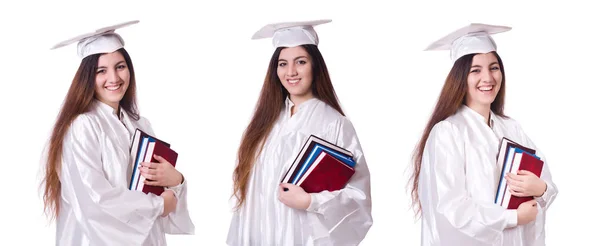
(302, 62)
(101, 71)
(495, 68)
(121, 67)
(282, 64)
(476, 70)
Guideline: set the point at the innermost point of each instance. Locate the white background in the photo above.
(199, 75)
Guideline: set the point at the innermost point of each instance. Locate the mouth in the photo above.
(114, 87)
(293, 81)
(486, 88)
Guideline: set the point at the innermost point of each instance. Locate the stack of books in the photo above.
(320, 166)
(143, 148)
(513, 157)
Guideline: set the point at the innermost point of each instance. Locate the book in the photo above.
(317, 149)
(143, 148)
(136, 153)
(155, 148)
(320, 165)
(522, 161)
(503, 160)
(309, 145)
(512, 157)
(326, 173)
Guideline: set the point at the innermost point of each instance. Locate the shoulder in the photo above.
(84, 127)
(328, 113)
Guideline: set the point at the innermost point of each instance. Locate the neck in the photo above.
(483, 110)
(297, 100)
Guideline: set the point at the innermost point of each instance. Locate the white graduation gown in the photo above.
(458, 182)
(96, 206)
(333, 218)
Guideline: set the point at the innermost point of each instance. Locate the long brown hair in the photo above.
(79, 100)
(269, 106)
(453, 95)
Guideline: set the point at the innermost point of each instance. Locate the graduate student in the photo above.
(88, 166)
(455, 171)
(297, 100)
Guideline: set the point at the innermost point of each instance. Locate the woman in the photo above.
(297, 100)
(455, 171)
(88, 163)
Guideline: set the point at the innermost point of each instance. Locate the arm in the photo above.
(178, 221)
(443, 192)
(104, 212)
(551, 190)
(344, 215)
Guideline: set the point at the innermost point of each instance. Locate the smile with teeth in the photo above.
(113, 87)
(485, 88)
(293, 81)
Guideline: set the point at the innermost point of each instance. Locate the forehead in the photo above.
(110, 58)
(484, 59)
(292, 53)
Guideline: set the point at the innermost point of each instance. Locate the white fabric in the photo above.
(96, 207)
(106, 43)
(333, 218)
(458, 181)
(475, 43)
(292, 37)
(474, 38)
(291, 34)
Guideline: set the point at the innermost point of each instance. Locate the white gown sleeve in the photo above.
(343, 217)
(178, 221)
(551, 190)
(106, 214)
(443, 193)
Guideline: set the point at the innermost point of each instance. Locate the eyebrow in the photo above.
(294, 58)
(491, 64)
(118, 63)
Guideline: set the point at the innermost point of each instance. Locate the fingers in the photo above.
(146, 170)
(525, 172)
(532, 203)
(515, 177)
(152, 182)
(516, 193)
(151, 165)
(161, 159)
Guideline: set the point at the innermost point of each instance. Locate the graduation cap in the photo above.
(103, 40)
(291, 34)
(472, 39)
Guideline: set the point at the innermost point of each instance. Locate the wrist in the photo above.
(545, 187)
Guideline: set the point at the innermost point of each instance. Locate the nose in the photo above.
(486, 76)
(292, 70)
(113, 76)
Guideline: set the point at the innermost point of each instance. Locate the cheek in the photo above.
(99, 86)
(281, 74)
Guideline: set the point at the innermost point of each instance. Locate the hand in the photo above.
(294, 196)
(170, 202)
(525, 183)
(526, 212)
(161, 173)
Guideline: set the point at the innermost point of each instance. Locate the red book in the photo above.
(523, 161)
(326, 173)
(160, 149)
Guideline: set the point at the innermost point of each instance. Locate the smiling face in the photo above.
(112, 79)
(294, 69)
(484, 81)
